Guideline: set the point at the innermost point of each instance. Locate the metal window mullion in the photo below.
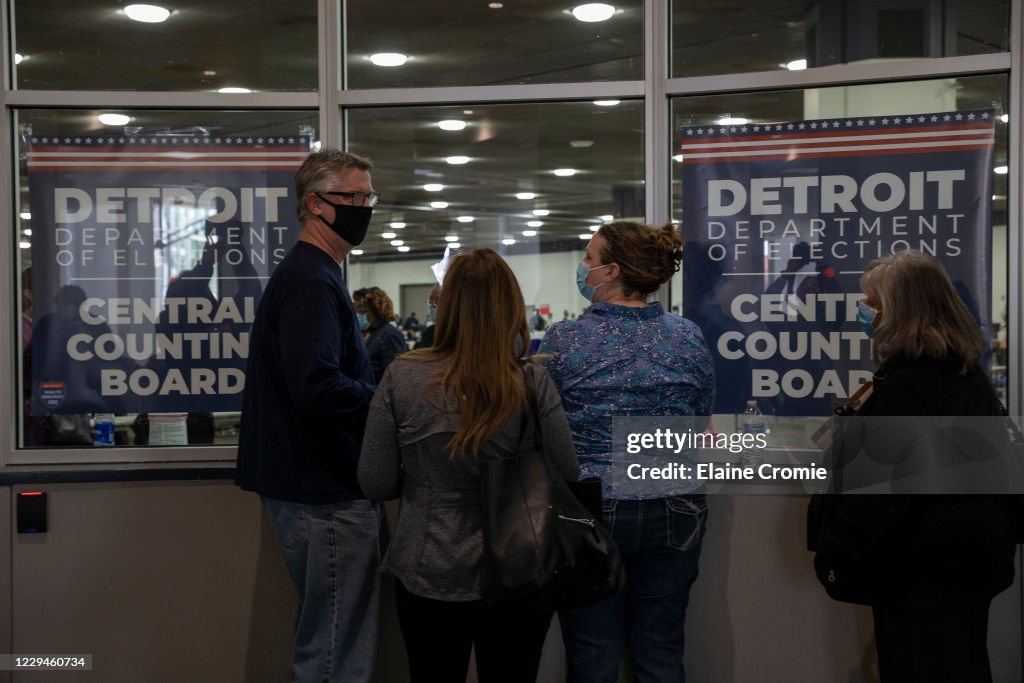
(8, 224)
(489, 94)
(331, 37)
(1015, 246)
(77, 99)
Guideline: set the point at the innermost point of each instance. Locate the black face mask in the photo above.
(350, 222)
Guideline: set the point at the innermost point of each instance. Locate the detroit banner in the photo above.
(149, 256)
(781, 220)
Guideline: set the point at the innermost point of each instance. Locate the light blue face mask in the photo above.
(586, 290)
(364, 322)
(866, 318)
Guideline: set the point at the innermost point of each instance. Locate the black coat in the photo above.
(921, 548)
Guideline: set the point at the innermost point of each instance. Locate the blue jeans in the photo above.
(332, 553)
(660, 543)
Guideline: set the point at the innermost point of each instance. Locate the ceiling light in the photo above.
(388, 235)
(457, 160)
(356, 252)
(732, 121)
(397, 225)
(439, 205)
(495, 5)
(797, 65)
(209, 72)
(113, 119)
(451, 124)
(540, 212)
(585, 236)
(27, 232)
(150, 14)
(607, 217)
(433, 187)
(18, 59)
(535, 224)
(25, 216)
(451, 238)
(564, 172)
(403, 249)
(581, 144)
(594, 11)
(397, 243)
(388, 59)
(234, 91)
(316, 146)
(1001, 170)
(1005, 118)
(606, 103)
(529, 233)
(595, 228)
(465, 219)
(508, 241)
(678, 158)
(454, 245)
(525, 195)
(25, 245)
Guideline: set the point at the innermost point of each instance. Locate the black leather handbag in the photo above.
(541, 543)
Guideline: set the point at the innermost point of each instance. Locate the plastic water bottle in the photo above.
(754, 425)
(103, 429)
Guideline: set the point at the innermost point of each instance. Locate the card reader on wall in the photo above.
(31, 512)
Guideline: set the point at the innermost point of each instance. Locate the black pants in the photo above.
(438, 636)
(934, 643)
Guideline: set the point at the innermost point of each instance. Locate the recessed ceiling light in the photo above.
(540, 212)
(529, 233)
(678, 158)
(732, 121)
(18, 59)
(1001, 170)
(150, 14)
(606, 103)
(27, 232)
(439, 205)
(433, 187)
(535, 224)
(457, 160)
(454, 245)
(581, 144)
(495, 5)
(607, 217)
(564, 172)
(508, 241)
(389, 59)
(397, 225)
(451, 124)
(113, 119)
(526, 195)
(234, 91)
(316, 146)
(26, 216)
(209, 72)
(585, 236)
(397, 243)
(465, 219)
(451, 238)
(356, 252)
(594, 11)
(797, 65)
(25, 245)
(388, 235)
(1005, 118)
(595, 228)
(403, 249)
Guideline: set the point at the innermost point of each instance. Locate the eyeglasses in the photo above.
(355, 198)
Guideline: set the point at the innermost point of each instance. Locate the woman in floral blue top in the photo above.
(626, 357)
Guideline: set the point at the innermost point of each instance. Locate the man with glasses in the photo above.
(308, 388)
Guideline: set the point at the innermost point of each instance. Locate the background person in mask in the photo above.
(384, 342)
(308, 389)
(626, 357)
(427, 336)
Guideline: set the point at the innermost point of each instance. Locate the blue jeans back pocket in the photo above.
(687, 519)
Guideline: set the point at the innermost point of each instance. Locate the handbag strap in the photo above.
(531, 411)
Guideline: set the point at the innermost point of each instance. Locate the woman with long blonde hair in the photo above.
(437, 411)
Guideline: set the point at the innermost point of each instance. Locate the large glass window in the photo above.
(143, 250)
(773, 255)
(399, 44)
(198, 46)
(751, 35)
(532, 181)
